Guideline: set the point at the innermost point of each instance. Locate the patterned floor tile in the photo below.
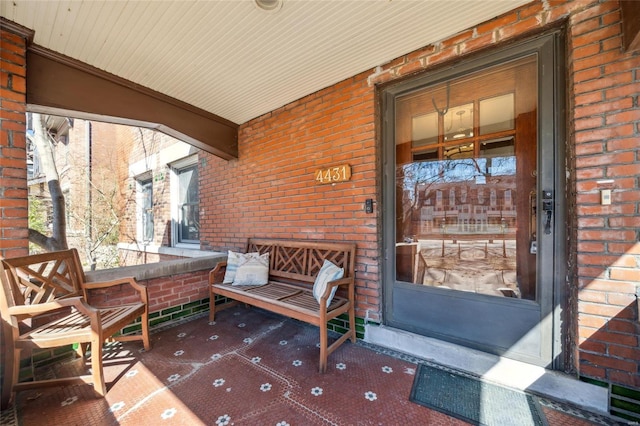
(248, 367)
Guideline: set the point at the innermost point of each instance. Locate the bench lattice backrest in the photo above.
(301, 260)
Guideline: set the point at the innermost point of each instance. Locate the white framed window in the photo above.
(144, 206)
(185, 203)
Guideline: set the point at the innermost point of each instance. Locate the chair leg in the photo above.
(11, 376)
(145, 331)
(96, 366)
(212, 307)
(82, 349)
(352, 323)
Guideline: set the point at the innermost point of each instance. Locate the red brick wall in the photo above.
(134, 145)
(105, 187)
(127, 228)
(165, 292)
(13, 173)
(270, 190)
(605, 119)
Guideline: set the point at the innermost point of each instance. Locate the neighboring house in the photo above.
(161, 216)
(137, 203)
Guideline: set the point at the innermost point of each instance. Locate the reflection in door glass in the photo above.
(465, 217)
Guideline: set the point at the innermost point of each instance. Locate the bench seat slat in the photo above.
(283, 307)
(302, 301)
(305, 300)
(274, 291)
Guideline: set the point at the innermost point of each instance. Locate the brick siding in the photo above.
(13, 173)
(605, 88)
(271, 190)
(164, 292)
(135, 145)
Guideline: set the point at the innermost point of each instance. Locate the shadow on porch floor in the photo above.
(248, 368)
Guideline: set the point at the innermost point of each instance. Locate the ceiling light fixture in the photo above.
(269, 5)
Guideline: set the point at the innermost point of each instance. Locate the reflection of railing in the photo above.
(467, 218)
(499, 231)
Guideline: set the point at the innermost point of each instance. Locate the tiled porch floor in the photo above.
(248, 368)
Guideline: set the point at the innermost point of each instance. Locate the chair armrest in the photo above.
(43, 308)
(140, 288)
(216, 276)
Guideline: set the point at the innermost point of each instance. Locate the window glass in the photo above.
(497, 114)
(188, 205)
(458, 122)
(425, 129)
(146, 210)
(465, 161)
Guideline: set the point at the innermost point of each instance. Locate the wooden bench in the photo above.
(293, 266)
(43, 300)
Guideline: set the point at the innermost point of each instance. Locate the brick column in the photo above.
(13, 170)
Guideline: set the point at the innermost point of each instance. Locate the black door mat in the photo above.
(470, 399)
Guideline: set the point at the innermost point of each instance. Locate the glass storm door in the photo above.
(472, 189)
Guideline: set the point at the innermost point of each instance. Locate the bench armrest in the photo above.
(139, 288)
(347, 281)
(339, 282)
(216, 276)
(43, 308)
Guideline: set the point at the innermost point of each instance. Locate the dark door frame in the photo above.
(550, 46)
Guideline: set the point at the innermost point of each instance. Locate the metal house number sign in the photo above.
(334, 174)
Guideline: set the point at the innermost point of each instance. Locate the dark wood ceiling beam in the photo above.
(59, 84)
(630, 24)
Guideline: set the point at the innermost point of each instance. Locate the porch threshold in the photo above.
(545, 383)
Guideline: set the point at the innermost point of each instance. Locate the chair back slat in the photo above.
(43, 277)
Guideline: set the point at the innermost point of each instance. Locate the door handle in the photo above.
(547, 223)
(547, 207)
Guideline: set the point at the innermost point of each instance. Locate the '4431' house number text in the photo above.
(334, 174)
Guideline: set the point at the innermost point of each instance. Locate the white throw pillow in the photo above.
(329, 272)
(233, 260)
(253, 271)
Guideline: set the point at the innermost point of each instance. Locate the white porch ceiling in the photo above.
(237, 61)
